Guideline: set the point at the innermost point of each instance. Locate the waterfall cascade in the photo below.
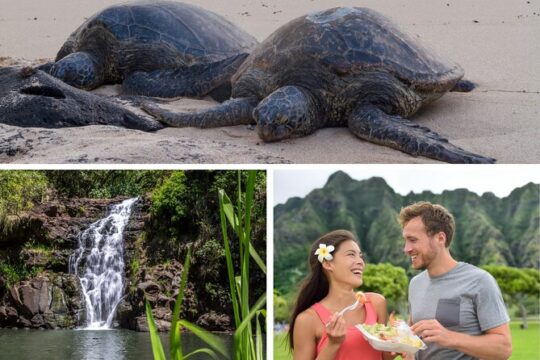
(99, 264)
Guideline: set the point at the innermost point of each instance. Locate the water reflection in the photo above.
(89, 344)
(101, 344)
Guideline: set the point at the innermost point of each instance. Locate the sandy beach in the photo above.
(494, 41)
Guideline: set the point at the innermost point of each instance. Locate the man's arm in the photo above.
(494, 344)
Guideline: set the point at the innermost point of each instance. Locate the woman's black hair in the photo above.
(315, 286)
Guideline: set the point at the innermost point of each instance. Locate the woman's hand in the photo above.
(336, 329)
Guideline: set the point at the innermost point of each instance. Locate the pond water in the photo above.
(90, 344)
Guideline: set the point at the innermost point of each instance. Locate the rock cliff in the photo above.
(45, 295)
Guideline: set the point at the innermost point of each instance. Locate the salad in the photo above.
(397, 336)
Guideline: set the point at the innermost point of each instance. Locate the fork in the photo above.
(349, 308)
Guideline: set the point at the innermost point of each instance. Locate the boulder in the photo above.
(214, 321)
(149, 287)
(34, 296)
(23, 322)
(142, 325)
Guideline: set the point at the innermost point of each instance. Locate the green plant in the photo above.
(247, 345)
(175, 349)
(20, 190)
(16, 271)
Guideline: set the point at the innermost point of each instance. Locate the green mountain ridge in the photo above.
(489, 230)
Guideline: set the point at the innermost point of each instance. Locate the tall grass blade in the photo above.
(175, 347)
(228, 208)
(225, 206)
(245, 322)
(250, 187)
(257, 258)
(213, 341)
(239, 218)
(258, 336)
(212, 354)
(157, 348)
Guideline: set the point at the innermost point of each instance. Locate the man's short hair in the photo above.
(434, 216)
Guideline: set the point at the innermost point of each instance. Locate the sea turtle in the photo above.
(338, 67)
(33, 98)
(151, 45)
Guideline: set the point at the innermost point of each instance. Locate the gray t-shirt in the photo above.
(466, 299)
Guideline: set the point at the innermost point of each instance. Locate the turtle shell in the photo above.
(350, 41)
(190, 31)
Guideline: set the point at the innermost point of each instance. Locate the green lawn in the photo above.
(526, 343)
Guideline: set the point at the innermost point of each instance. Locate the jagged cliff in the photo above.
(490, 230)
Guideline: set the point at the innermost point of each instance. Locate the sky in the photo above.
(499, 179)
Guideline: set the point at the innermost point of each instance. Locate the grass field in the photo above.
(525, 343)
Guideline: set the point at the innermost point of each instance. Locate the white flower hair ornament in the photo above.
(324, 252)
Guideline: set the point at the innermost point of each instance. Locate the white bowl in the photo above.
(387, 345)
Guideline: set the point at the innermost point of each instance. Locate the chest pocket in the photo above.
(448, 312)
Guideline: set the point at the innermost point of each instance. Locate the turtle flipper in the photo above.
(463, 86)
(290, 111)
(370, 123)
(231, 112)
(194, 81)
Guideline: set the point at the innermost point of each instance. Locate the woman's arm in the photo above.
(305, 340)
(305, 336)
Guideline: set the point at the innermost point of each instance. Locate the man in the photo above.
(456, 308)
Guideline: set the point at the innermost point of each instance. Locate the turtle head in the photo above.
(287, 112)
(78, 69)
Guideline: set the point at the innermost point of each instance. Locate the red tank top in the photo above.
(354, 347)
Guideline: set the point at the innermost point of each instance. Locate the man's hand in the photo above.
(433, 331)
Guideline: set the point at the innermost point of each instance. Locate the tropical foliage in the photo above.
(490, 230)
(184, 212)
(517, 285)
(176, 348)
(248, 344)
(19, 191)
(500, 234)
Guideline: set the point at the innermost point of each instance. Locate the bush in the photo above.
(20, 190)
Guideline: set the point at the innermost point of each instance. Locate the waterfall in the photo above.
(100, 256)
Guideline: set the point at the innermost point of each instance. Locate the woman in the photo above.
(316, 329)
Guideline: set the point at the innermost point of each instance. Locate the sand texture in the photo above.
(496, 42)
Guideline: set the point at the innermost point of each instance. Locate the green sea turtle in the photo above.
(161, 48)
(339, 67)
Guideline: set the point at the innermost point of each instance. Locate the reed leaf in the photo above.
(211, 353)
(245, 322)
(225, 206)
(157, 348)
(233, 221)
(250, 187)
(175, 347)
(239, 218)
(257, 258)
(258, 336)
(213, 341)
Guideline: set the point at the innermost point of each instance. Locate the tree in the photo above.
(517, 284)
(282, 311)
(20, 190)
(388, 280)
